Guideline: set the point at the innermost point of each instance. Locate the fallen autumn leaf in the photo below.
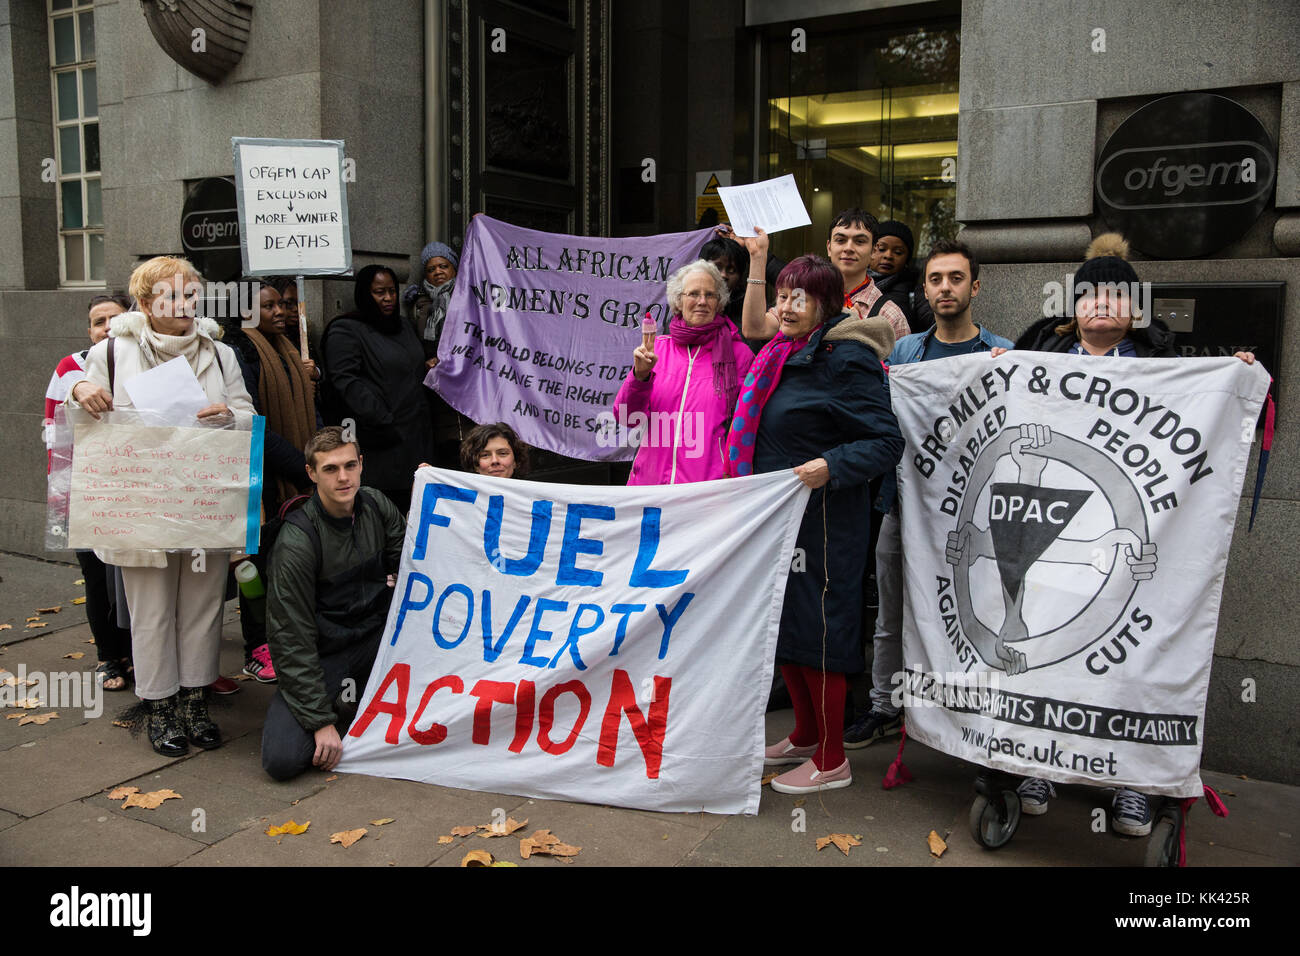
(50, 610)
(841, 840)
(288, 829)
(937, 846)
(463, 831)
(500, 830)
(74, 656)
(381, 821)
(445, 839)
(546, 843)
(79, 600)
(477, 858)
(150, 801)
(348, 837)
(38, 718)
(121, 793)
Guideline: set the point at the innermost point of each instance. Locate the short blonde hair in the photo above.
(148, 274)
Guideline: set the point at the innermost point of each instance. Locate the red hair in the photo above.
(820, 282)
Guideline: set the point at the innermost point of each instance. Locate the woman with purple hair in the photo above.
(814, 401)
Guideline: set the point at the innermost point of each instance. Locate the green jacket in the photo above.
(314, 612)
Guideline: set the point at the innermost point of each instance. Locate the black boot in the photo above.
(194, 718)
(165, 732)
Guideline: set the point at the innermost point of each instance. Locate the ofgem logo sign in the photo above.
(1186, 175)
(1198, 174)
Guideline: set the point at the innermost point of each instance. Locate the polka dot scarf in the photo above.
(760, 383)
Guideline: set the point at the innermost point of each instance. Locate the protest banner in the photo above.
(605, 645)
(293, 206)
(142, 487)
(541, 328)
(1066, 524)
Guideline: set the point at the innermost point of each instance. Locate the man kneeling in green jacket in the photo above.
(326, 607)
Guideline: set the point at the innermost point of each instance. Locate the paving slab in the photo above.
(27, 583)
(79, 834)
(1263, 818)
(67, 766)
(8, 819)
(420, 813)
(209, 809)
(608, 836)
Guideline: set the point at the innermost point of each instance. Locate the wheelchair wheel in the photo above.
(993, 822)
(1162, 847)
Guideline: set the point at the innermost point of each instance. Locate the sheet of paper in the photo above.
(170, 390)
(772, 205)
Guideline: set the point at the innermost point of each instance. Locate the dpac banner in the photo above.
(1066, 523)
(606, 645)
(541, 328)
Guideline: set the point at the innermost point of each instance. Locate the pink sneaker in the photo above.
(806, 778)
(259, 665)
(786, 752)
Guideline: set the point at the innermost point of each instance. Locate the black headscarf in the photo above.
(367, 308)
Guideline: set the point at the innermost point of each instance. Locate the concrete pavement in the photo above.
(54, 809)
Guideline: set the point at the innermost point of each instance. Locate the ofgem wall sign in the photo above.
(1186, 175)
(293, 207)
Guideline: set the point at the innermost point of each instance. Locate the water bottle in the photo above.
(250, 582)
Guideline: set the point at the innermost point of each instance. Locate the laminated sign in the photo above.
(293, 206)
(147, 487)
(1066, 523)
(605, 645)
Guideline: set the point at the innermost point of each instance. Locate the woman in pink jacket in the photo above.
(681, 392)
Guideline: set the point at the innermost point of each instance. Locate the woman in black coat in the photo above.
(815, 401)
(375, 368)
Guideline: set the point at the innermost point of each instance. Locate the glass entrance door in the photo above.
(863, 117)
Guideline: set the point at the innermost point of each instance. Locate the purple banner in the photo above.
(541, 328)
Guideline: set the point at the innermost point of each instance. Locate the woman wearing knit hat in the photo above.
(425, 303)
(1106, 290)
(895, 274)
(1104, 311)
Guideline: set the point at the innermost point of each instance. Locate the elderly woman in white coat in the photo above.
(175, 601)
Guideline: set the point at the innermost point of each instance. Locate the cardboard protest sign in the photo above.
(293, 206)
(606, 645)
(1066, 523)
(541, 328)
(142, 487)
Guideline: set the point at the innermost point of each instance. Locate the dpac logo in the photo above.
(1066, 541)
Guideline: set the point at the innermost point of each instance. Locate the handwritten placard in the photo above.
(293, 206)
(137, 487)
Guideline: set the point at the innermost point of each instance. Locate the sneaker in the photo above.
(872, 726)
(1034, 794)
(259, 665)
(785, 752)
(223, 686)
(1131, 813)
(806, 778)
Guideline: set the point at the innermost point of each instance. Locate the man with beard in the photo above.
(951, 277)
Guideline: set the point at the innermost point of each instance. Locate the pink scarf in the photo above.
(718, 335)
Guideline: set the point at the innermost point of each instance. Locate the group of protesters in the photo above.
(785, 364)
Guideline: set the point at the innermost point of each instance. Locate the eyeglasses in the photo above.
(707, 296)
